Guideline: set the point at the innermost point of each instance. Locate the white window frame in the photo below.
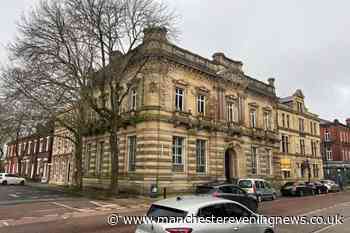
(253, 118)
(200, 156)
(267, 120)
(179, 96)
(201, 99)
(175, 155)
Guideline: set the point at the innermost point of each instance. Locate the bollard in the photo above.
(164, 193)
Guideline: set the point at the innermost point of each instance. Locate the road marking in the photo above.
(329, 226)
(66, 206)
(13, 195)
(104, 204)
(323, 209)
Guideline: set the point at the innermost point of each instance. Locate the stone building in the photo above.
(335, 137)
(33, 152)
(191, 120)
(299, 130)
(62, 167)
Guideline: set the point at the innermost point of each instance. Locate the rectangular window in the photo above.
(300, 107)
(269, 162)
(201, 155)
(133, 104)
(88, 158)
(302, 146)
(99, 159)
(232, 112)
(178, 153)
(179, 99)
(311, 128)
(315, 169)
(254, 161)
(329, 154)
(285, 144)
(283, 120)
(327, 136)
(201, 104)
(132, 153)
(252, 114)
(301, 125)
(288, 121)
(267, 120)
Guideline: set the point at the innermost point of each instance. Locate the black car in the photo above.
(297, 189)
(230, 192)
(318, 187)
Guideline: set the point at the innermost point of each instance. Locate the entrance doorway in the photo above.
(230, 164)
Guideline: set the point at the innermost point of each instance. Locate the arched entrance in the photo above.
(230, 164)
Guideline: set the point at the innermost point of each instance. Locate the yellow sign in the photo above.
(286, 164)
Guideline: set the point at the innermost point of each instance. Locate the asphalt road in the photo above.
(90, 216)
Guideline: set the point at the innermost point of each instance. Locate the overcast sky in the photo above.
(303, 44)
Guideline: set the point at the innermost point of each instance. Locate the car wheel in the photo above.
(326, 191)
(301, 193)
(4, 182)
(259, 198)
(274, 196)
(22, 182)
(268, 231)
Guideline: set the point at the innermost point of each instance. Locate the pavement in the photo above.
(32, 209)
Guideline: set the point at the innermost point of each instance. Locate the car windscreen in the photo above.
(204, 190)
(288, 184)
(164, 211)
(245, 183)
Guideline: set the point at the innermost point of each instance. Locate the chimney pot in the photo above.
(347, 122)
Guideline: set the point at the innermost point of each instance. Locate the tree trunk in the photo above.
(78, 170)
(113, 138)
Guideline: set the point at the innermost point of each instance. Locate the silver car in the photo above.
(200, 206)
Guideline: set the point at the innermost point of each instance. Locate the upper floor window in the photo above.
(133, 99)
(301, 125)
(179, 99)
(327, 135)
(288, 121)
(302, 146)
(232, 111)
(252, 115)
(267, 120)
(283, 120)
(300, 107)
(311, 127)
(201, 104)
(328, 154)
(285, 144)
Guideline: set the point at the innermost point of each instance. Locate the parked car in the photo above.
(331, 185)
(230, 192)
(204, 206)
(298, 188)
(6, 178)
(258, 187)
(318, 187)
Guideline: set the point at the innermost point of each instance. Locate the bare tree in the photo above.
(116, 29)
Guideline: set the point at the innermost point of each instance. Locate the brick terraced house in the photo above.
(30, 157)
(336, 148)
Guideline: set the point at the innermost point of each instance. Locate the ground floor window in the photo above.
(254, 161)
(132, 152)
(286, 174)
(316, 170)
(200, 155)
(178, 153)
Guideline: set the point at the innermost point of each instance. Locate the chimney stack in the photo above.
(271, 82)
(155, 33)
(347, 122)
